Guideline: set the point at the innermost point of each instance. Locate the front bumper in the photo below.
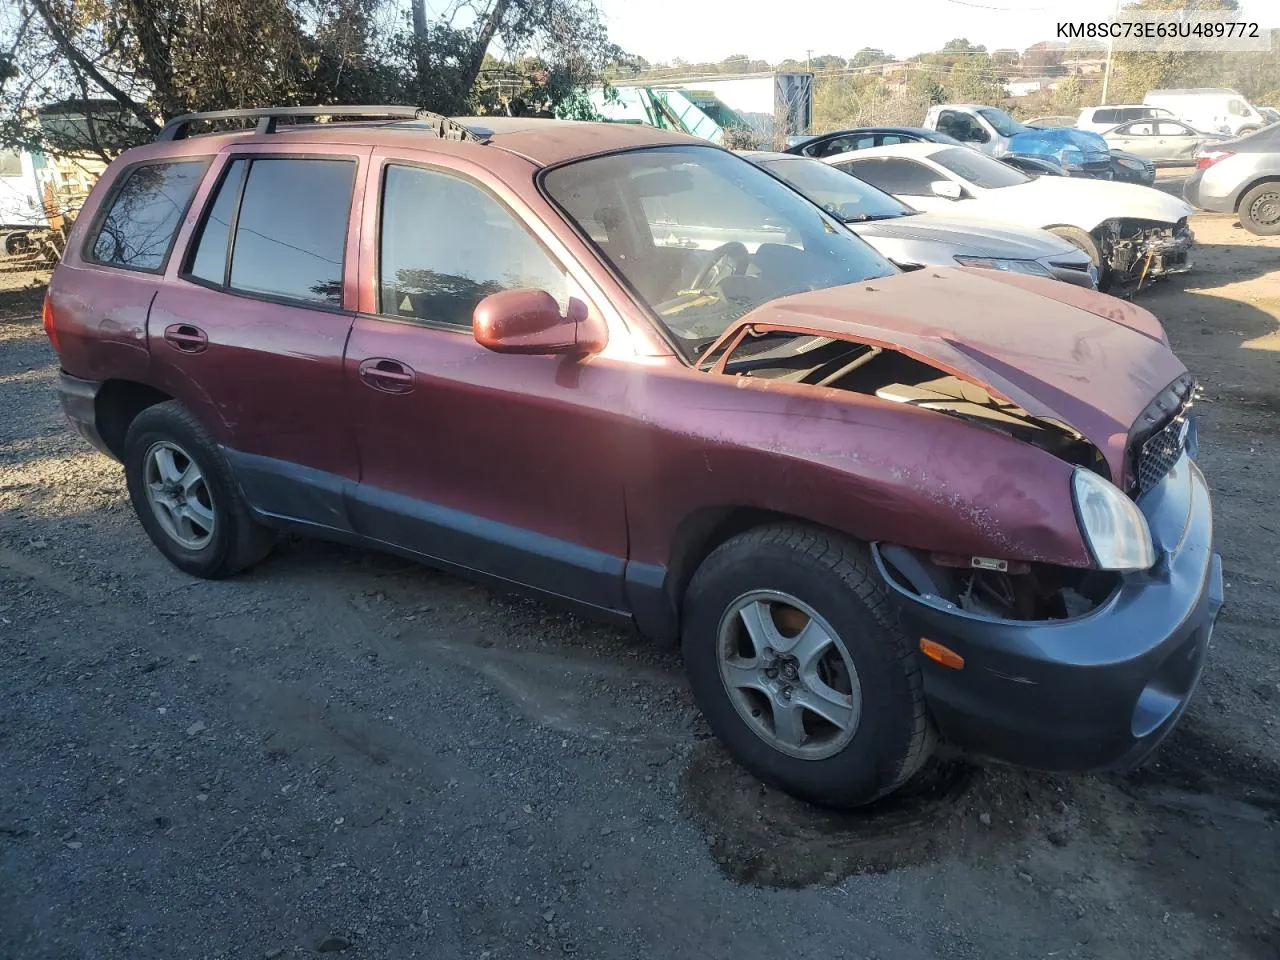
(1097, 691)
(79, 403)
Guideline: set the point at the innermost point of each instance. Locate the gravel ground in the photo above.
(342, 753)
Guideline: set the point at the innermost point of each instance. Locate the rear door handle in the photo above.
(184, 337)
(389, 376)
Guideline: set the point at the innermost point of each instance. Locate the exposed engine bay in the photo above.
(1137, 251)
(889, 375)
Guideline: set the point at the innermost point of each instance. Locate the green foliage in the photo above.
(869, 56)
(131, 64)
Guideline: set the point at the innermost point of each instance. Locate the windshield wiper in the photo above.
(869, 217)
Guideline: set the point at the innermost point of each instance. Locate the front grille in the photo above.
(1161, 434)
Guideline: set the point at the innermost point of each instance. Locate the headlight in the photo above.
(1013, 266)
(1131, 164)
(1113, 526)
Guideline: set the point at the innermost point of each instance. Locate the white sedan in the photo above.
(1131, 233)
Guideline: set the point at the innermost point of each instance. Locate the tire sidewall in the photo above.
(158, 424)
(872, 761)
(1246, 203)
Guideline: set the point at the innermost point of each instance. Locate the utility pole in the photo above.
(808, 55)
(1106, 73)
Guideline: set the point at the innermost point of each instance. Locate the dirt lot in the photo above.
(343, 753)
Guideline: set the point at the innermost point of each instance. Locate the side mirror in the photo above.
(947, 188)
(528, 321)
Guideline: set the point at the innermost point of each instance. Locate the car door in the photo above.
(908, 180)
(1178, 141)
(495, 463)
(248, 330)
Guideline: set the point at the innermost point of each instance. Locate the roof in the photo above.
(923, 149)
(542, 142)
(547, 142)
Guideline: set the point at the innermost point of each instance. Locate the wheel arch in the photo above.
(696, 537)
(117, 405)
(1256, 182)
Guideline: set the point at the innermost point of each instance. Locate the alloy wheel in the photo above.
(789, 675)
(178, 495)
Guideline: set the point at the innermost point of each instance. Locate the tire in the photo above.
(1260, 209)
(891, 736)
(199, 519)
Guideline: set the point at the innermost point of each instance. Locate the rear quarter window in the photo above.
(143, 214)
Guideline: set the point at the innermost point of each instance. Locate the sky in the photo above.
(773, 30)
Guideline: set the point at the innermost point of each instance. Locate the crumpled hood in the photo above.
(1053, 141)
(972, 238)
(1059, 351)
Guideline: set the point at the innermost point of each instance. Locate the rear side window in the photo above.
(895, 175)
(446, 244)
(288, 231)
(138, 229)
(1106, 116)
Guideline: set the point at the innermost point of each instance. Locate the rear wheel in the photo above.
(185, 497)
(1260, 209)
(800, 663)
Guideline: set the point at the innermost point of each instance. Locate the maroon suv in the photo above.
(634, 372)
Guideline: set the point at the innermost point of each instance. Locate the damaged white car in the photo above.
(1133, 234)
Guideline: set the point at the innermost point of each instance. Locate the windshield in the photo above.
(1004, 124)
(704, 237)
(979, 169)
(841, 194)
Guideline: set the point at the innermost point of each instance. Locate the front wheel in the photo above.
(800, 663)
(1260, 209)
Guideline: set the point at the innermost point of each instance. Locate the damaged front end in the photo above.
(819, 359)
(1138, 251)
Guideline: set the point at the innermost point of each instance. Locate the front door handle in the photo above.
(389, 376)
(184, 337)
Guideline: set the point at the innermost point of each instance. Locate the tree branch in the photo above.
(78, 58)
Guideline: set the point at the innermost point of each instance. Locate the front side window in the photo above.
(1170, 128)
(896, 175)
(962, 127)
(979, 169)
(144, 215)
(1237, 108)
(704, 237)
(446, 244)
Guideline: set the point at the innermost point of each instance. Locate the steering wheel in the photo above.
(727, 260)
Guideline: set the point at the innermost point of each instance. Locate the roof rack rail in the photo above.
(445, 128)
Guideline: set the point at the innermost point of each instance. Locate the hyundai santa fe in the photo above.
(630, 371)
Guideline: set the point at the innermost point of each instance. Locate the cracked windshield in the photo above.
(704, 237)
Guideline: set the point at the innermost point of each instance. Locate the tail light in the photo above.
(1210, 157)
(50, 329)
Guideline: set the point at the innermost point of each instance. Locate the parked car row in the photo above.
(633, 373)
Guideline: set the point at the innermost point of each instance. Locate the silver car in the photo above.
(913, 239)
(1160, 141)
(1242, 177)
